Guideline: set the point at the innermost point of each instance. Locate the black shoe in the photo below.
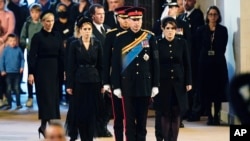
(105, 133)
(41, 131)
(182, 125)
(210, 121)
(19, 107)
(7, 107)
(217, 121)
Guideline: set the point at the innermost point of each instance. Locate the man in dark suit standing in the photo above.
(194, 17)
(122, 19)
(97, 14)
(135, 73)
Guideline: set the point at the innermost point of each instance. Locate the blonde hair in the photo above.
(47, 15)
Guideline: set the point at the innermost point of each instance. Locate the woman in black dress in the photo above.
(45, 60)
(175, 79)
(84, 79)
(213, 75)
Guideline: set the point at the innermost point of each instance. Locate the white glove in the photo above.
(154, 92)
(107, 88)
(118, 92)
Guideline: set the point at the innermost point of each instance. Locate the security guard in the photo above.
(122, 19)
(135, 73)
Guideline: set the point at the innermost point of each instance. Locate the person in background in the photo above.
(11, 66)
(135, 73)
(110, 15)
(30, 27)
(194, 17)
(55, 132)
(65, 27)
(122, 18)
(97, 15)
(79, 9)
(175, 79)
(21, 13)
(84, 79)
(45, 59)
(213, 79)
(7, 26)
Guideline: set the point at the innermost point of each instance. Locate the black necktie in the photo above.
(103, 31)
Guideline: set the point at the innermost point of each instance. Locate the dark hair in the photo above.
(168, 20)
(217, 10)
(93, 7)
(61, 4)
(35, 6)
(12, 35)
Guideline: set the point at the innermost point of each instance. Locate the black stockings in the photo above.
(170, 124)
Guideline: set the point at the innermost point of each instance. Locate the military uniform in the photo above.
(107, 55)
(136, 78)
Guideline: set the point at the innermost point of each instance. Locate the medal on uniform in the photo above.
(145, 57)
(211, 53)
(145, 43)
(179, 31)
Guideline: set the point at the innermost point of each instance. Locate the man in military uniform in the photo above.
(122, 19)
(135, 73)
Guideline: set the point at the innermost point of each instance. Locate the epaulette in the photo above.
(111, 30)
(150, 32)
(120, 33)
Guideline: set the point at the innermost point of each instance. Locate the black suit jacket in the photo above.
(141, 74)
(84, 66)
(195, 19)
(107, 53)
(98, 35)
(110, 20)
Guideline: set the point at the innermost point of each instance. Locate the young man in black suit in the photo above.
(194, 17)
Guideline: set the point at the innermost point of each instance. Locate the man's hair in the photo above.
(93, 7)
(11, 35)
(36, 7)
(55, 124)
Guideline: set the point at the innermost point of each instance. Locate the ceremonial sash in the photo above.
(133, 50)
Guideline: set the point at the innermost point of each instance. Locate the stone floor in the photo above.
(22, 125)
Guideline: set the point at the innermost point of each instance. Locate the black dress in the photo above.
(45, 59)
(213, 73)
(84, 77)
(175, 74)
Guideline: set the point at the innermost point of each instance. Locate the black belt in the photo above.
(86, 66)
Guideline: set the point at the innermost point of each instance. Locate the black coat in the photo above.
(107, 53)
(45, 60)
(182, 31)
(98, 35)
(175, 71)
(84, 66)
(141, 74)
(110, 20)
(213, 73)
(194, 20)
